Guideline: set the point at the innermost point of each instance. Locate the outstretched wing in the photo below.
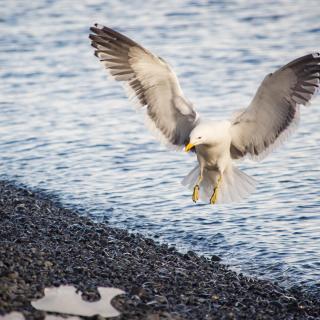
(151, 81)
(274, 111)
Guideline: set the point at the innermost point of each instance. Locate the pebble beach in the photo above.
(44, 245)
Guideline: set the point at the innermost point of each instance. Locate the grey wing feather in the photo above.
(274, 111)
(151, 82)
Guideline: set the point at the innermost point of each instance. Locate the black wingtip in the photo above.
(94, 45)
(94, 30)
(92, 36)
(96, 27)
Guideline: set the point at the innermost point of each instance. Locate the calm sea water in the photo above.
(67, 129)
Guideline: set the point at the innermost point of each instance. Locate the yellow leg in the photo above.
(195, 194)
(214, 196)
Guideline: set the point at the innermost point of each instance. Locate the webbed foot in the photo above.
(195, 194)
(214, 196)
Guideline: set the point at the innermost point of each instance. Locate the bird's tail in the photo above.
(234, 186)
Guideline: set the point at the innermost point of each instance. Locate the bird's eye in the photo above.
(199, 137)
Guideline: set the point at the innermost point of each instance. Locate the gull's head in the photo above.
(201, 134)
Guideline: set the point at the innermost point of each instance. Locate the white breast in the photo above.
(216, 154)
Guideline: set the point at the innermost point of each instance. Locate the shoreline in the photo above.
(43, 244)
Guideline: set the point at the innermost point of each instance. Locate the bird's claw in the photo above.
(214, 196)
(195, 194)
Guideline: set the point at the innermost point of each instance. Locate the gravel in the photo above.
(43, 244)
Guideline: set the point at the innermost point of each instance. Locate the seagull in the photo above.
(252, 132)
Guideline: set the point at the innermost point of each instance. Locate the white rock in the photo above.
(64, 299)
(13, 316)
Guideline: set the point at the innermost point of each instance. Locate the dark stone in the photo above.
(215, 258)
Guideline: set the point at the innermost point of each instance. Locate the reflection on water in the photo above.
(67, 129)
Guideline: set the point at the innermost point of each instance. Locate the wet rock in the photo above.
(215, 258)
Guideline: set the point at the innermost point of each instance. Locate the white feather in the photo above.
(235, 185)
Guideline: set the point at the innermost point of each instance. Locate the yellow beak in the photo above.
(188, 147)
